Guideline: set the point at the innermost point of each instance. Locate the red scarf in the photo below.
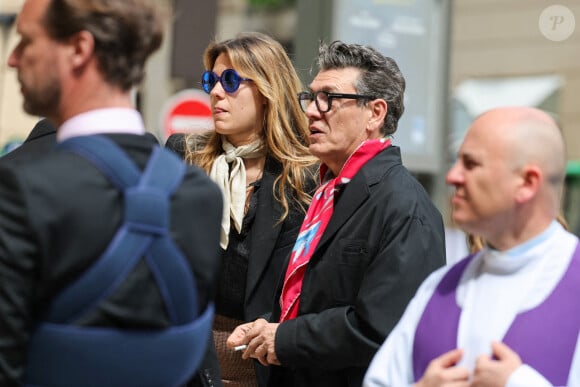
(315, 222)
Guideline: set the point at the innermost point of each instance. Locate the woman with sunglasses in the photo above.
(258, 155)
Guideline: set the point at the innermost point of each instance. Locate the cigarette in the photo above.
(240, 347)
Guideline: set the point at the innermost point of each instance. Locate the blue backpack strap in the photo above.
(119, 357)
(146, 217)
(76, 356)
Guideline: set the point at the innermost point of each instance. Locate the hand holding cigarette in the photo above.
(256, 339)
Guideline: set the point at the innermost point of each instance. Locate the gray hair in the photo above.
(380, 76)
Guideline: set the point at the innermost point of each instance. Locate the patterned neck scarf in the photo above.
(315, 222)
(232, 182)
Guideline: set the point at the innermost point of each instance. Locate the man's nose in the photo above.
(12, 60)
(453, 176)
(312, 110)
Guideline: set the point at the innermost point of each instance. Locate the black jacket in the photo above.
(58, 214)
(40, 140)
(271, 244)
(384, 238)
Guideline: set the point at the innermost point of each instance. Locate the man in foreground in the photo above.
(82, 287)
(509, 315)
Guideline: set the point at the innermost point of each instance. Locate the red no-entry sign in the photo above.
(188, 111)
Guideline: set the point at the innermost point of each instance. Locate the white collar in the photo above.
(108, 120)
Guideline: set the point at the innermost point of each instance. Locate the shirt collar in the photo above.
(109, 120)
(531, 243)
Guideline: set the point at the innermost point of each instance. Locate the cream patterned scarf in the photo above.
(232, 182)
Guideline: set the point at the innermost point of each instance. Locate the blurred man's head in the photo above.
(67, 43)
(509, 175)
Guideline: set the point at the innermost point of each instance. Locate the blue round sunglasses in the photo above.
(230, 80)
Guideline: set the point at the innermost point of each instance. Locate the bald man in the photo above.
(508, 315)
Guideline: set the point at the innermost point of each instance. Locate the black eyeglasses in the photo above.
(324, 99)
(229, 79)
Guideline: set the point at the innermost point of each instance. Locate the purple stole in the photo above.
(544, 337)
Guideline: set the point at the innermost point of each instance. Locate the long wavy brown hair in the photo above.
(285, 127)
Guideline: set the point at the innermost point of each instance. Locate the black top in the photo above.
(233, 275)
(269, 243)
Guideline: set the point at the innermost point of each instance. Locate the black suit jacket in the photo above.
(58, 214)
(40, 140)
(385, 236)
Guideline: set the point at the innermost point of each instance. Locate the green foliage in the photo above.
(271, 3)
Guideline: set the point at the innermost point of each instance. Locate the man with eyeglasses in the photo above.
(371, 234)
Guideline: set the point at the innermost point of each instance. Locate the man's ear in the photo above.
(82, 48)
(532, 178)
(378, 111)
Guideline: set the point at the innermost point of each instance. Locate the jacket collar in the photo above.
(358, 190)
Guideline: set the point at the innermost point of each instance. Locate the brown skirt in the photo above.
(235, 371)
